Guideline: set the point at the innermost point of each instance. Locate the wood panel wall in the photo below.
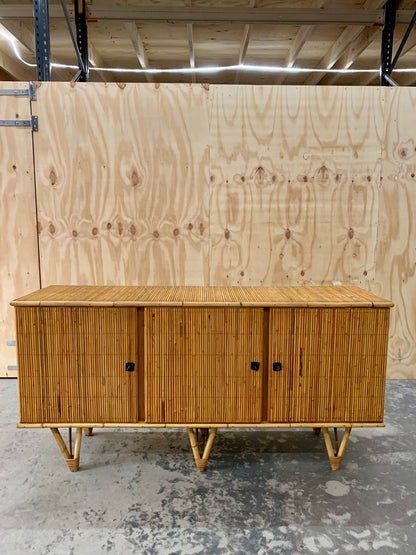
(122, 178)
(228, 185)
(19, 270)
(396, 245)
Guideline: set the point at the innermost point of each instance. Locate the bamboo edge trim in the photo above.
(216, 425)
(210, 304)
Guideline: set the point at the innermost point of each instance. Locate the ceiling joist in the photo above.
(239, 40)
(204, 15)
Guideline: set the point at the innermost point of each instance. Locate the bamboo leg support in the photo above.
(201, 462)
(71, 461)
(335, 457)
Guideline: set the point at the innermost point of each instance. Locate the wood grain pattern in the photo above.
(250, 185)
(19, 270)
(293, 199)
(396, 254)
(122, 183)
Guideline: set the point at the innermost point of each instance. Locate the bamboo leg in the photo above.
(194, 445)
(335, 458)
(208, 445)
(336, 440)
(201, 462)
(72, 461)
(61, 443)
(87, 431)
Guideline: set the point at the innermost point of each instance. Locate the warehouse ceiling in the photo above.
(252, 41)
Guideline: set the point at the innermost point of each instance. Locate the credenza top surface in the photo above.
(108, 295)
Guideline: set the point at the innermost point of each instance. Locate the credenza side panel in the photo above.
(198, 364)
(29, 359)
(366, 371)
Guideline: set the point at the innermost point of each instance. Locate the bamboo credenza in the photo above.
(202, 358)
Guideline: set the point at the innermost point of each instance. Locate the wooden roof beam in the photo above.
(25, 40)
(198, 14)
(15, 68)
(134, 35)
(405, 79)
(245, 40)
(97, 61)
(244, 44)
(342, 44)
(355, 49)
(302, 36)
(136, 40)
(334, 53)
(246, 37)
(190, 31)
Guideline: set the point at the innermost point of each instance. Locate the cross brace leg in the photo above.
(201, 461)
(335, 456)
(72, 461)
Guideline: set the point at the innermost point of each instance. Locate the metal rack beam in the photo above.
(43, 50)
(387, 41)
(82, 38)
(387, 64)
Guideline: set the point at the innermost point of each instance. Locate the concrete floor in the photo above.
(263, 492)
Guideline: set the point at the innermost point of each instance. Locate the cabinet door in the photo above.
(332, 364)
(199, 364)
(300, 364)
(108, 340)
(84, 364)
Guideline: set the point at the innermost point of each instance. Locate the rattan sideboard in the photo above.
(201, 358)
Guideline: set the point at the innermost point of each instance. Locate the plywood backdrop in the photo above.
(231, 185)
(19, 270)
